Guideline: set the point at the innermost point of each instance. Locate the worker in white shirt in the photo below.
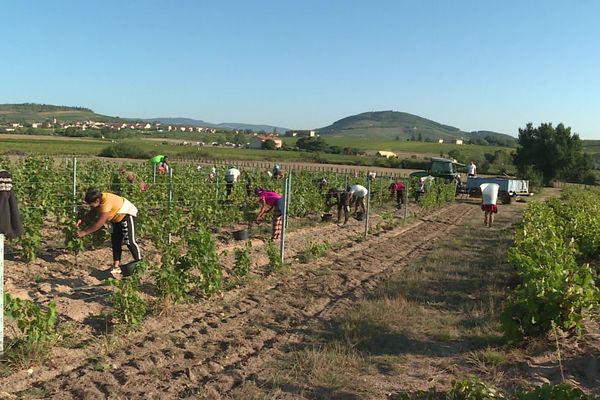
(357, 197)
(232, 176)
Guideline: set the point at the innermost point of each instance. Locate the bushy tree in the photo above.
(269, 145)
(312, 144)
(552, 152)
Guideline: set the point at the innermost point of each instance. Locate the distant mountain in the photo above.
(181, 121)
(225, 125)
(255, 128)
(376, 124)
(401, 125)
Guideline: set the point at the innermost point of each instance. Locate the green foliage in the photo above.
(555, 287)
(199, 270)
(124, 150)
(269, 145)
(129, 307)
(36, 325)
(203, 258)
(555, 392)
(553, 152)
(312, 144)
(473, 389)
(314, 250)
(437, 193)
(173, 283)
(275, 263)
(242, 260)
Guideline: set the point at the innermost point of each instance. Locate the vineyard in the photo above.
(66, 310)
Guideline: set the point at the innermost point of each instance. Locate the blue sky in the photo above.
(476, 65)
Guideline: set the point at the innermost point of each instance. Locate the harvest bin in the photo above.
(489, 192)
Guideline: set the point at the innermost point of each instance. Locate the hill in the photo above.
(403, 126)
(30, 112)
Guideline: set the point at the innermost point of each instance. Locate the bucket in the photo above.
(489, 192)
(360, 216)
(242, 234)
(127, 269)
(327, 217)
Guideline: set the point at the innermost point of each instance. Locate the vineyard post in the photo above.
(368, 204)
(283, 225)
(74, 184)
(406, 201)
(153, 173)
(1, 293)
(217, 186)
(288, 197)
(170, 197)
(381, 189)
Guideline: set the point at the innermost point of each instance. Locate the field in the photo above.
(53, 145)
(414, 304)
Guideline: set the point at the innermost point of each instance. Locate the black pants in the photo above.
(228, 188)
(124, 232)
(399, 197)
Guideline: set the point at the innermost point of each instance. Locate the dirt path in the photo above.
(213, 347)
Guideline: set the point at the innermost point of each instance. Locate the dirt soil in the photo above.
(208, 349)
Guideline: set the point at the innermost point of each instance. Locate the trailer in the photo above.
(509, 187)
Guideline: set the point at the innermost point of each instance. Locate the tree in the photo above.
(312, 144)
(552, 152)
(269, 145)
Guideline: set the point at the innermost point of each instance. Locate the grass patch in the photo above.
(441, 310)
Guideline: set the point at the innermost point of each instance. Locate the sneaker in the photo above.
(116, 272)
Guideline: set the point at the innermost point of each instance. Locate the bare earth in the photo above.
(215, 347)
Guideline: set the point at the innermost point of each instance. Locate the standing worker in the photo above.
(122, 215)
(357, 197)
(232, 176)
(341, 198)
(489, 196)
(397, 190)
(271, 201)
(471, 169)
(420, 188)
(10, 218)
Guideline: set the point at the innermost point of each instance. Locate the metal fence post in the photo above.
(170, 196)
(283, 225)
(367, 205)
(216, 186)
(74, 184)
(406, 200)
(288, 197)
(153, 173)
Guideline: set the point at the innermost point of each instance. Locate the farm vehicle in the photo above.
(447, 169)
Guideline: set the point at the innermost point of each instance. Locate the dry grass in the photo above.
(434, 321)
(438, 310)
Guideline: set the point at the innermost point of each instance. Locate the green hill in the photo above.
(29, 112)
(403, 126)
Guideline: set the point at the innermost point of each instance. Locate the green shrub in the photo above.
(555, 392)
(124, 150)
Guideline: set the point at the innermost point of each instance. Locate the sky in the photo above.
(304, 64)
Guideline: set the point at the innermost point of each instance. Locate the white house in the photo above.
(256, 142)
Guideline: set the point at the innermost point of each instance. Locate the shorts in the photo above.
(489, 208)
